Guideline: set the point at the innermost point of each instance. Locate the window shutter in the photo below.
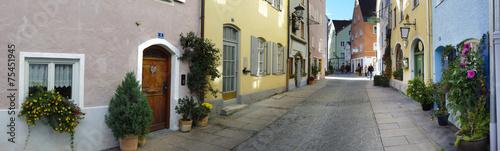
(275, 58)
(283, 64)
(281, 5)
(254, 56)
(269, 56)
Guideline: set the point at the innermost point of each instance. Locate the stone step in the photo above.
(232, 106)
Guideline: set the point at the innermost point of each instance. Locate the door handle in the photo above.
(165, 87)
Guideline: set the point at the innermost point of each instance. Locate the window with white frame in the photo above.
(62, 73)
(360, 32)
(356, 34)
(354, 21)
(261, 56)
(375, 29)
(342, 55)
(361, 48)
(358, 17)
(279, 60)
(401, 11)
(342, 43)
(394, 18)
(375, 46)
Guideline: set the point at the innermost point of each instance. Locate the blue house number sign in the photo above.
(160, 35)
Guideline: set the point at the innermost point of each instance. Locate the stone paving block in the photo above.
(401, 132)
(210, 129)
(234, 123)
(159, 146)
(194, 145)
(225, 142)
(382, 116)
(428, 146)
(417, 138)
(234, 134)
(269, 118)
(254, 127)
(394, 141)
(388, 126)
(393, 120)
(407, 124)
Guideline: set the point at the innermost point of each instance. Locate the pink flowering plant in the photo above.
(419, 91)
(467, 93)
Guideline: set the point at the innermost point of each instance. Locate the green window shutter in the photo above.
(275, 58)
(254, 55)
(269, 56)
(283, 64)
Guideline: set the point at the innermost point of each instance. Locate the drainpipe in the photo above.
(495, 38)
(308, 43)
(428, 41)
(202, 18)
(289, 48)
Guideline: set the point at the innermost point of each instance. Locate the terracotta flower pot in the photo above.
(185, 126)
(309, 82)
(201, 122)
(129, 143)
(142, 140)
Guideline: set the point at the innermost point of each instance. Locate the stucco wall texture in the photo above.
(458, 20)
(317, 42)
(104, 31)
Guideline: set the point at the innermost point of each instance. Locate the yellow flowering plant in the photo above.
(51, 109)
(201, 110)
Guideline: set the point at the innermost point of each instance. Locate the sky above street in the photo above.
(339, 9)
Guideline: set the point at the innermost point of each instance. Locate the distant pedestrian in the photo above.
(370, 69)
(366, 71)
(342, 69)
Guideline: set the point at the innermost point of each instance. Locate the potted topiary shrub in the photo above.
(185, 108)
(314, 70)
(200, 114)
(129, 114)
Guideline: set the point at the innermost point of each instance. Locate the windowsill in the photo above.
(301, 40)
(415, 7)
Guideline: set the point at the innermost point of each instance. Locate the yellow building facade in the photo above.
(252, 37)
(412, 54)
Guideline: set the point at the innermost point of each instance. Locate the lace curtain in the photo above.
(63, 75)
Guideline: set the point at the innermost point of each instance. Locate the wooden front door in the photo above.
(156, 85)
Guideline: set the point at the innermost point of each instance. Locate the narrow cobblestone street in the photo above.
(343, 112)
(337, 116)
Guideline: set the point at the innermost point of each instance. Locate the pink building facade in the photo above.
(317, 37)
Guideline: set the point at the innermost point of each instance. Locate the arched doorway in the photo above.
(419, 60)
(399, 60)
(299, 68)
(156, 77)
(230, 69)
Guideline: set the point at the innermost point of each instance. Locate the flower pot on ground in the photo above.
(420, 92)
(472, 145)
(128, 143)
(185, 107)
(443, 119)
(129, 111)
(468, 93)
(310, 80)
(142, 140)
(185, 125)
(200, 114)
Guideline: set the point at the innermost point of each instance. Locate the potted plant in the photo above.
(200, 114)
(129, 114)
(314, 70)
(310, 80)
(441, 89)
(292, 76)
(467, 96)
(398, 73)
(51, 109)
(185, 108)
(203, 60)
(418, 91)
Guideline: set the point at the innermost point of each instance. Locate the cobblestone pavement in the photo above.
(336, 117)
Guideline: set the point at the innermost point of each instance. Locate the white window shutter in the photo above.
(281, 5)
(283, 64)
(275, 58)
(254, 56)
(268, 57)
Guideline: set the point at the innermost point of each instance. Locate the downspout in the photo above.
(308, 43)
(202, 18)
(494, 13)
(289, 48)
(428, 42)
